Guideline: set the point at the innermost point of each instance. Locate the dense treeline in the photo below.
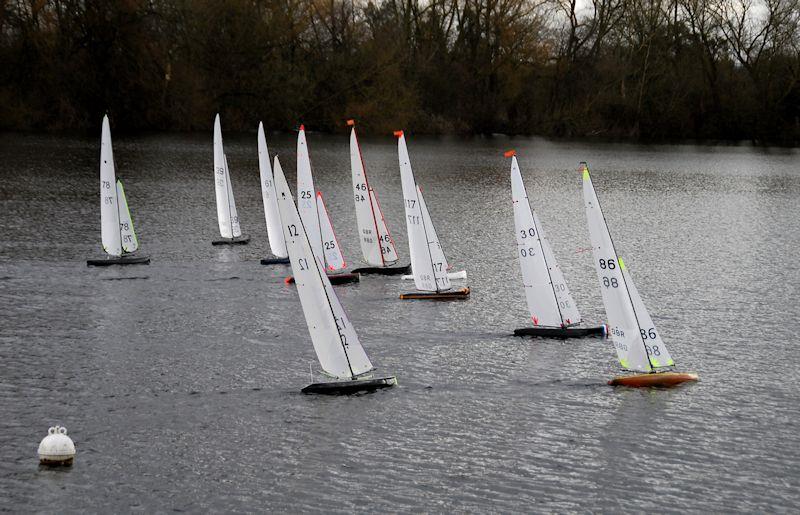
(725, 69)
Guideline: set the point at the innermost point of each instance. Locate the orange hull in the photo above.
(659, 380)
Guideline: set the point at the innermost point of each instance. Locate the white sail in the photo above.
(306, 196)
(546, 292)
(377, 245)
(438, 260)
(334, 259)
(226, 208)
(268, 195)
(566, 304)
(623, 326)
(109, 207)
(539, 291)
(656, 349)
(126, 231)
(335, 341)
(388, 249)
(234, 215)
(421, 261)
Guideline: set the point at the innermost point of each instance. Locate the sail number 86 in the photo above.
(609, 264)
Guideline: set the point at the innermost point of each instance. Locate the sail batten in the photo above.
(335, 341)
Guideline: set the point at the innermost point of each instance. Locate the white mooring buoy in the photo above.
(56, 448)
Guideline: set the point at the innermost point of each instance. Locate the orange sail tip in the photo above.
(351, 122)
(398, 133)
(510, 153)
(319, 194)
(289, 280)
(302, 127)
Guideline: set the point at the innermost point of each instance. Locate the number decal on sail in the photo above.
(292, 228)
(108, 200)
(527, 252)
(610, 282)
(652, 351)
(530, 232)
(305, 194)
(106, 184)
(303, 262)
(650, 333)
(609, 264)
(413, 219)
(330, 245)
(411, 203)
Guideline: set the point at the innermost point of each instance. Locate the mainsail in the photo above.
(638, 345)
(427, 259)
(269, 196)
(377, 245)
(226, 206)
(109, 205)
(335, 341)
(549, 301)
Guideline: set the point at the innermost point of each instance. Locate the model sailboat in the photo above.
(117, 233)
(335, 341)
(428, 262)
(227, 216)
(377, 244)
(270, 198)
(316, 220)
(552, 308)
(639, 346)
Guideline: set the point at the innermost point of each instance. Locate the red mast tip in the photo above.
(351, 122)
(510, 153)
(398, 133)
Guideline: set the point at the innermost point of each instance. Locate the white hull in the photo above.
(450, 275)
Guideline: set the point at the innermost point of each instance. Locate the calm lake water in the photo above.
(180, 381)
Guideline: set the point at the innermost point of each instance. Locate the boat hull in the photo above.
(121, 260)
(240, 240)
(462, 293)
(350, 387)
(657, 380)
(450, 275)
(383, 270)
(561, 332)
(333, 278)
(275, 261)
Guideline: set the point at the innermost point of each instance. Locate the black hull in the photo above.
(461, 294)
(333, 278)
(122, 260)
(241, 240)
(350, 387)
(558, 332)
(383, 270)
(275, 261)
